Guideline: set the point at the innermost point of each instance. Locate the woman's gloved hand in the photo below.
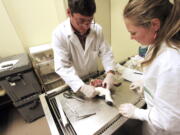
(127, 110)
(130, 111)
(89, 91)
(137, 85)
(108, 82)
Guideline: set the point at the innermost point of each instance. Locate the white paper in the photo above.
(131, 74)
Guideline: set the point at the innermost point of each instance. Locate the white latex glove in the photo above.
(89, 91)
(108, 82)
(130, 111)
(127, 110)
(137, 85)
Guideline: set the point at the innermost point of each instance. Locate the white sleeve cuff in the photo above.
(141, 114)
(77, 86)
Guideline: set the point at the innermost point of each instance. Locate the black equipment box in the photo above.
(19, 81)
(22, 86)
(30, 108)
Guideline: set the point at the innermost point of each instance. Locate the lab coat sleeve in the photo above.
(106, 54)
(165, 114)
(63, 66)
(166, 111)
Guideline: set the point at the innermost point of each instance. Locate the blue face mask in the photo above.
(142, 51)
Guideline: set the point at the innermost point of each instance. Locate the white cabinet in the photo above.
(43, 62)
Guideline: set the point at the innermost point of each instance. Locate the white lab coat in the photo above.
(72, 61)
(162, 93)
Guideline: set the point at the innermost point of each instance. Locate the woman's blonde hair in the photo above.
(141, 12)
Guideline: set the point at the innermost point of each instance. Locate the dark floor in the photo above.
(131, 127)
(11, 123)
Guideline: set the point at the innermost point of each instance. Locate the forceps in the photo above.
(71, 94)
(86, 116)
(79, 117)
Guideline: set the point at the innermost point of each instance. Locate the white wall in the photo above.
(103, 17)
(121, 43)
(34, 20)
(9, 41)
(27, 23)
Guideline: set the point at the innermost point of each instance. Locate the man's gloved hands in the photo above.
(130, 111)
(108, 82)
(89, 91)
(137, 85)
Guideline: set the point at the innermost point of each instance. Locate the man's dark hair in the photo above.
(83, 7)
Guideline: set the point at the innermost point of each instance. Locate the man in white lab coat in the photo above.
(77, 43)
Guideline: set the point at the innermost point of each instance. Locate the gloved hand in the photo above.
(137, 85)
(89, 91)
(108, 81)
(130, 111)
(127, 110)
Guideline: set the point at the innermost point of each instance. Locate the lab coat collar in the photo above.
(90, 38)
(70, 30)
(162, 48)
(72, 36)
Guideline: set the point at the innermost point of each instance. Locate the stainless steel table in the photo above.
(106, 120)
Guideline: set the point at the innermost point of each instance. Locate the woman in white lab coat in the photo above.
(156, 24)
(77, 44)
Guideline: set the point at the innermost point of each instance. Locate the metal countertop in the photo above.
(107, 118)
